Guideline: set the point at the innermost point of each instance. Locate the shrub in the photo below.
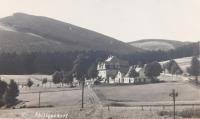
(29, 83)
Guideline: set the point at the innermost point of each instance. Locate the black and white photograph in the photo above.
(100, 59)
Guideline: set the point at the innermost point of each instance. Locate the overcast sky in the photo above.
(125, 20)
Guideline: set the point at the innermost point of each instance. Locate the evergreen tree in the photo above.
(173, 67)
(194, 68)
(92, 71)
(57, 77)
(11, 93)
(3, 87)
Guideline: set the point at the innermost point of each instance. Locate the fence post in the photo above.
(39, 99)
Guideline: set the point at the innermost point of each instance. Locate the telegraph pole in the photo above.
(83, 85)
(174, 95)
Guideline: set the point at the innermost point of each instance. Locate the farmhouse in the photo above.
(113, 70)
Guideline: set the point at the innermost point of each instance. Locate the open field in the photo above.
(148, 94)
(53, 100)
(66, 100)
(22, 79)
(146, 101)
(62, 101)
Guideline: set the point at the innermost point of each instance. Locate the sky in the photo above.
(125, 20)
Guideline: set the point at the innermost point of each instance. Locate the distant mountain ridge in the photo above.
(158, 44)
(27, 33)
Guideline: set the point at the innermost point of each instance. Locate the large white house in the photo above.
(113, 70)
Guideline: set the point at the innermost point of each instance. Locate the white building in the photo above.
(113, 70)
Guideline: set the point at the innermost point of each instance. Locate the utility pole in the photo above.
(83, 85)
(174, 94)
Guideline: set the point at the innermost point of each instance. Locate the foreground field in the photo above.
(58, 101)
(126, 102)
(53, 100)
(148, 94)
(147, 101)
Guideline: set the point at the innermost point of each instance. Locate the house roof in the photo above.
(124, 70)
(129, 71)
(138, 69)
(109, 58)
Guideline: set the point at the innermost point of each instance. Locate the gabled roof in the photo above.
(109, 58)
(138, 69)
(124, 70)
(129, 71)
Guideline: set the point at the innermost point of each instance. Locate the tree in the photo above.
(57, 77)
(173, 67)
(44, 81)
(153, 70)
(11, 93)
(79, 66)
(29, 83)
(68, 78)
(133, 73)
(194, 68)
(3, 88)
(92, 71)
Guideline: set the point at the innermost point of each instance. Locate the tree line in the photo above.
(48, 63)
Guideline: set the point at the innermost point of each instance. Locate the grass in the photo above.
(152, 93)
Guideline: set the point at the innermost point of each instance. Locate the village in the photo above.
(114, 70)
(99, 59)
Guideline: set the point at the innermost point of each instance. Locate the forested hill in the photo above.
(27, 33)
(47, 63)
(158, 44)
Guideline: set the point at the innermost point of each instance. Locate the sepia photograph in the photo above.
(100, 59)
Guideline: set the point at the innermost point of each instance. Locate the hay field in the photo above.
(148, 94)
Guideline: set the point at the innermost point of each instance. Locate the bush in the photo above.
(97, 82)
(44, 81)
(29, 83)
(163, 113)
(188, 113)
